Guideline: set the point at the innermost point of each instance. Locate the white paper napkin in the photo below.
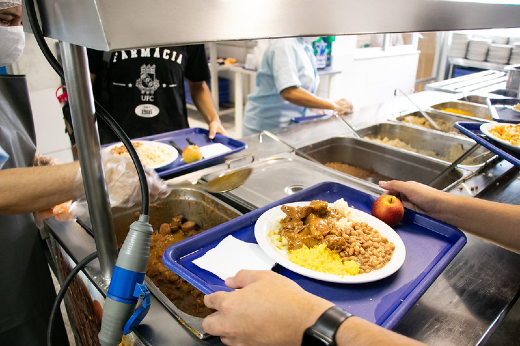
(231, 255)
(215, 149)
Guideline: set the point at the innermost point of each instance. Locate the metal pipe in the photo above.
(89, 151)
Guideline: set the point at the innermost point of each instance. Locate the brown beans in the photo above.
(367, 247)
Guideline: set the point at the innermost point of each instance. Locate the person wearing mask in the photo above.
(285, 85)
(24, 189)
(143, 89)
(279, 312)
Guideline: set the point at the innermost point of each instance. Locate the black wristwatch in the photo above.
(323, 331)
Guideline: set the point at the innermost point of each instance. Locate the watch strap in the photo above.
(325, 327)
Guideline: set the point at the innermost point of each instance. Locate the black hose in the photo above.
(63, 290)
(100, 111)
(38, 35)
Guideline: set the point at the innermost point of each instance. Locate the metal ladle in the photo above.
(226, 181)
(434, 124)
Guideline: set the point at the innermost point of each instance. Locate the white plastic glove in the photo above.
(123, 183)
(343, 107)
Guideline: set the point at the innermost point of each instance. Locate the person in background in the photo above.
(143, 89)
(279, 311)
(27, 285)
(285, 85)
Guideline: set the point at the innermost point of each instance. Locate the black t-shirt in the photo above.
(145, 88)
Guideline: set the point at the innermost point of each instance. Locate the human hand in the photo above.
(215, 127)
(416, 196)
(266, 309)
(343, 107)
(40, 160)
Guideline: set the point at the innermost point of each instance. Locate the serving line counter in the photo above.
(462, 306)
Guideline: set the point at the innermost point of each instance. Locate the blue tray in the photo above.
(200, 137)
(298, 120)
(430, 246)
(472, 130)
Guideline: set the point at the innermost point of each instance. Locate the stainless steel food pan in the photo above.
(195, 205)
(445, 120)
(283, 174)
(384, 160)
(442, 145)
(475, 99)
(479, 111)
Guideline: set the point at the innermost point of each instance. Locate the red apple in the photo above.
(388, 209)
(191, 154)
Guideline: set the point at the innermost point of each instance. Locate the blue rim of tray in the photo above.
(383, 302)
(472, 130)
(200, 137)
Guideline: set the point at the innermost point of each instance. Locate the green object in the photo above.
(323, 51)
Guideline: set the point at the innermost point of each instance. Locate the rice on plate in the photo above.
(332, 241)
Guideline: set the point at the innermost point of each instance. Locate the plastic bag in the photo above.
(123, 183)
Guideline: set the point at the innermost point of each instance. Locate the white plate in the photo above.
(170, 157)
(268, 221)
(485, 130)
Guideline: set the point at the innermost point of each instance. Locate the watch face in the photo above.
(312, 337)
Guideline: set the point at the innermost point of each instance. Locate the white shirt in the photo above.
(285, 63)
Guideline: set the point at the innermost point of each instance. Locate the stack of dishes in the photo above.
(513, 40)
(459, 45)
(500, 39)
(499, 53)
(515, 54)
(477, 49)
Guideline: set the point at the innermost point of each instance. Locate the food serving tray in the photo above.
(472, 130)
(198, 136)
(502, 109)
(430, 246)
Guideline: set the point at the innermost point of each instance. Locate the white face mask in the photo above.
(12, 42)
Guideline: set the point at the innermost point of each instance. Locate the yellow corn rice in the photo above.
(322, 259)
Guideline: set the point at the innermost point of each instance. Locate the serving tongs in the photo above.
(278, 139)
(454, 164)
(426, 116)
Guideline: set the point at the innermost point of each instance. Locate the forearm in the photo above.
(303, 98)
(201, 96)
(359, 332)
(25, 190)
(496, 222)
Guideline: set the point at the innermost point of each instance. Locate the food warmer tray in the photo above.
(501, 109)
(198, 136)
(472, 130)
(430, 246)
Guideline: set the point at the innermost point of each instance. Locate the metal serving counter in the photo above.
(462, 306)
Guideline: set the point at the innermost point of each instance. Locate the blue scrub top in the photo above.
(285, 63)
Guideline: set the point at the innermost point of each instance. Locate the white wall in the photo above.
(370, 76)
(42, 81)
